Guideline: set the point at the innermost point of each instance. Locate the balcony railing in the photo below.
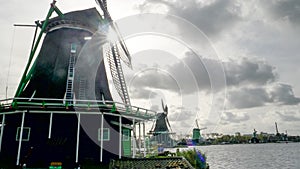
(72, 105)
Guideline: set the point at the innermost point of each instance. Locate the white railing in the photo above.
(48, 103)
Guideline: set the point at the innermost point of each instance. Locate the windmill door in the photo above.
(126, 142)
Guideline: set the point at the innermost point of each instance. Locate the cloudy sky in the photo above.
(232, 64)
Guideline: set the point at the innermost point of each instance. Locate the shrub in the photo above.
(195, 158)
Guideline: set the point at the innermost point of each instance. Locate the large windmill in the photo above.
(63, 112)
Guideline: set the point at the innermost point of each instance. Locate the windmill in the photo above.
(65, 109)
(161, 128)
(161, 124)
(276, 128)
(197, 132)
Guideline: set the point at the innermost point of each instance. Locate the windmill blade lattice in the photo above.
(113, 58)
(114, 55)
(125, 55)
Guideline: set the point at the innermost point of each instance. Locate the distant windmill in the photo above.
(162, 128)
(162, 123)
(196, 132)
(276, 127)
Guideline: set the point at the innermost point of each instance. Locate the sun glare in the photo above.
(112, 35)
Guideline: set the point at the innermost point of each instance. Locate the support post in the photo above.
(77, 139)
(50, 125)
(140, 141)
(2, 130)
(133, 139)
(20, 139)
(144, 137)
(101, 138)
(120, 137)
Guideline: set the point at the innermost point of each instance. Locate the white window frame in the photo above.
(104, 130)
(126, 137)
(18, 133)
(73, 47)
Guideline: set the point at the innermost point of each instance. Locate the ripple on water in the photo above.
(253, 156)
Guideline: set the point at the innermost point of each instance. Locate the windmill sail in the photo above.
(115, 66)
(125, 55)
(114, 55)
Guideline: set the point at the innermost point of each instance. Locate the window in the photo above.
(57, 141)
(73, 48)
(106, 134)
(126, 134)
(26, 133)
(87, 38)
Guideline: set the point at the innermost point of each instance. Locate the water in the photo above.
(253, 156)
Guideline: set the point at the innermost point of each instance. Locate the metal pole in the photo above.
(140, 141)
(144, 137)
(24, 25)
(50, 125)
(133, 139)
(34, 37)
(2, 129)
(101, 138)
(120, 137)
(77, 142)
(20, 139)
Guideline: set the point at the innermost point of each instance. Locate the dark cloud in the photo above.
(142, 93)
(155, 78)
(186, 76)
(250, 83)
(288, 116)
(211, 18)
(248, 97)
(182, 115)
(229, 117)
(195, 73)
(283, 94)
(192, 73)
(283, 9)
(247, 71)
